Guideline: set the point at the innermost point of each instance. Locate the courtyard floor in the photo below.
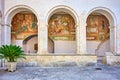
(62, 73)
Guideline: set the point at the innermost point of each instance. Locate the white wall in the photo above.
(81, 8)
(78, 5)
(50, 46)
(18, 42)
(30, 44)
(98, 48)
(65, 47)
(1, 5)
(104, 47)
(92, 46)
(1, 14)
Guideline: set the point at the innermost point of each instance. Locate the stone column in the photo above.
(0, 35)
(78, 38)
(0, 30)
(7, 34)
(112, 39)
(81, 36)
(42, 37)
(117, 40)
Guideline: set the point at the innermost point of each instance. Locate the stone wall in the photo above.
(112, 59)
(58, 60)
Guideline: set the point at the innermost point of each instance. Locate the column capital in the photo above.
(77, 25)
(111, 27)
(7, 25)
(47, 25)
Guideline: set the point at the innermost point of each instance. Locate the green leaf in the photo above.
(11, 52)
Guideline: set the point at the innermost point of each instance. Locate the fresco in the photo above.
(24, 25)
(97, 28)
(61, 27)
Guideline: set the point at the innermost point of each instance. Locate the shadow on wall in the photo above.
(103, 47)
(50, 45)
(97, 47)
(30, 44)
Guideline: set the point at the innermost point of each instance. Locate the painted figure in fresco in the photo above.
(97, 27)
(24, 25)
(61, 25)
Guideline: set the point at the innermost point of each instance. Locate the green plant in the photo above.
(11, 52)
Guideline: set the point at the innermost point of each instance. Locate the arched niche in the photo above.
(100, 32)
(30, 44)
(50, 45)
(62, 30)
(21, 22)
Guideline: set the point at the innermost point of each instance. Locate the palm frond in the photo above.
(11, 52)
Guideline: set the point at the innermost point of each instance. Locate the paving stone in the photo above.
(62, 73)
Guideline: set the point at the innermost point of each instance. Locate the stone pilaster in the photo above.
(112, 38)
(7, 34)
(78, 38)
(0, 33)
(42, 37)
(0, 29)
(82, 35)
(117, 39)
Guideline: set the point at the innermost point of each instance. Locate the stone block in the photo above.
(62, 64)
(58, 60)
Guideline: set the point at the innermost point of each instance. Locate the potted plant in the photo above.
(11, 53)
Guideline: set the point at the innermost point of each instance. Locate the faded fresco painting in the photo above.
(61, 27)
(97, 28)
(24, 25)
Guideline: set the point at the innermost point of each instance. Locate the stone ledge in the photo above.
(112, 59)
(47, 60)
(60, 55)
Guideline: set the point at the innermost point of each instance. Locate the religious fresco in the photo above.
(97, 28)
(61, 27)
(24, 25)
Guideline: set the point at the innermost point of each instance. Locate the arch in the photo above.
(16, 9)
(9, 15)
(28, 38)
(62, 8)
(104, 11)
(25, 44)
(67, 10)
(50, 45)
(112, 24)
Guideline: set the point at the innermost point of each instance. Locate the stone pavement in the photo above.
(62, 73)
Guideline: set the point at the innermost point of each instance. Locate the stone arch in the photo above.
(65, 9)
(25, 41)
(112, 23)
(28, 38)
(9, 16)
(104, 11)
(50, 45)
(16, 9)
